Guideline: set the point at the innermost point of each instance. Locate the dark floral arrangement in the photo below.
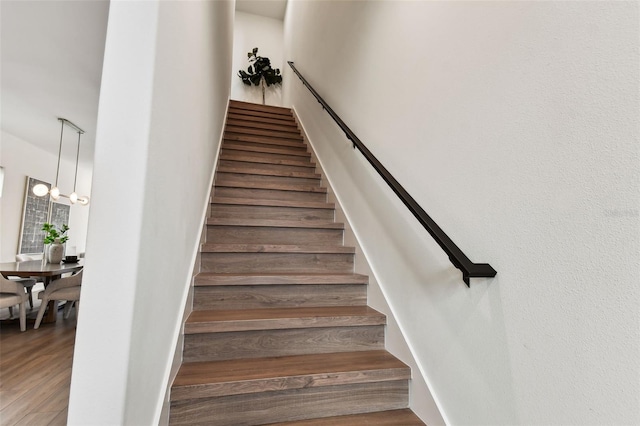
(259, 71)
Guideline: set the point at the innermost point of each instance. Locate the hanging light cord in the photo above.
(59, 149)
(75, 178)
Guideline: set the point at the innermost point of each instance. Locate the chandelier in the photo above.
(42, 190)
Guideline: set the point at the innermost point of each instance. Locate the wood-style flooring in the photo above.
(35, 371)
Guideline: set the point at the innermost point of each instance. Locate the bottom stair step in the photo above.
(404, 417)
(243, 376)
(291, 405)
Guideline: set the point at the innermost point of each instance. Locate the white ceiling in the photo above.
(269, 8)
(51, 55)
(51, 64)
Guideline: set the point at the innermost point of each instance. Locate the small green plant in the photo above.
(53, 233)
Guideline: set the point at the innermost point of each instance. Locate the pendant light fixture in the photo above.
(42, 190)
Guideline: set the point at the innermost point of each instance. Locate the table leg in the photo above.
(52, 312)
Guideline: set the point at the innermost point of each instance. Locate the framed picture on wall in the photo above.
(35, 214)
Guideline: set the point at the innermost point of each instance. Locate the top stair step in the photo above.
(258, 107)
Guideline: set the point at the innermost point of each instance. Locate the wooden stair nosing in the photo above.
(272, 203)
(404, 417)
(266, 150)
(275, 223)
(275, 173)
(213, 279)
(219, 321)
(274, 248)
(232, 377)
(270, 186)
(248, 158)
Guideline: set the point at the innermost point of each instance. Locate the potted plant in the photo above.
(260, 72)
(55, 238)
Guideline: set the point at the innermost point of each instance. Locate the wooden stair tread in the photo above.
(210, 279)
(272, 203)
(404, 417)
(220, 321)
(266, 150)
(229, 183)
(279, 173)
(311, 224)
(240, 376)
(247, 157)
(274, 248)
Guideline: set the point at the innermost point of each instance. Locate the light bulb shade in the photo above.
(83, 200)
(55, 192)
(73, 198)
(40, 190)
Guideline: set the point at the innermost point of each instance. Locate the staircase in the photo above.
(280, 332)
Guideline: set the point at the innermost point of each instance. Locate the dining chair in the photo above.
(28, 283)
(66, 288)
(11, 294)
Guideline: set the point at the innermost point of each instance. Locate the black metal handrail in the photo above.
(456, 256)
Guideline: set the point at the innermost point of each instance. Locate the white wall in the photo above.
(515, 125)
(267, 35)
(165, 89)
(21, 159)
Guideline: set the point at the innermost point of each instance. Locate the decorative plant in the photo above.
(260, 72)
(52, 233)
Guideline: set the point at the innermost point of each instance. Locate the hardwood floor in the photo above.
(35, 371)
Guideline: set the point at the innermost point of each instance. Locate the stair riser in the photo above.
(278, 120)
(258, 160)
(289, 405)
(224, 177)
(227, 234)
(258, 132)
(293, 146)
(267, 149)
(285, 128)
(265, 156)
(262, 141)
(266, 212)
(278, 296)
(266, 167)
(269, 194)
(267, 343)
(268, 109)
(276, 262)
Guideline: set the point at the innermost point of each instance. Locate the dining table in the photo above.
(39, 268)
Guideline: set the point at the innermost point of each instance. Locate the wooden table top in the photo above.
(38, 268)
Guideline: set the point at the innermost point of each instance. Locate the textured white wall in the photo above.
(21, 159)
(266, 34)
(515, 125)
(163, 100)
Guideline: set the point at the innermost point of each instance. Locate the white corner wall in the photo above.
(164, 94)
(267, 35)
(21, 159)
(515, 125)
